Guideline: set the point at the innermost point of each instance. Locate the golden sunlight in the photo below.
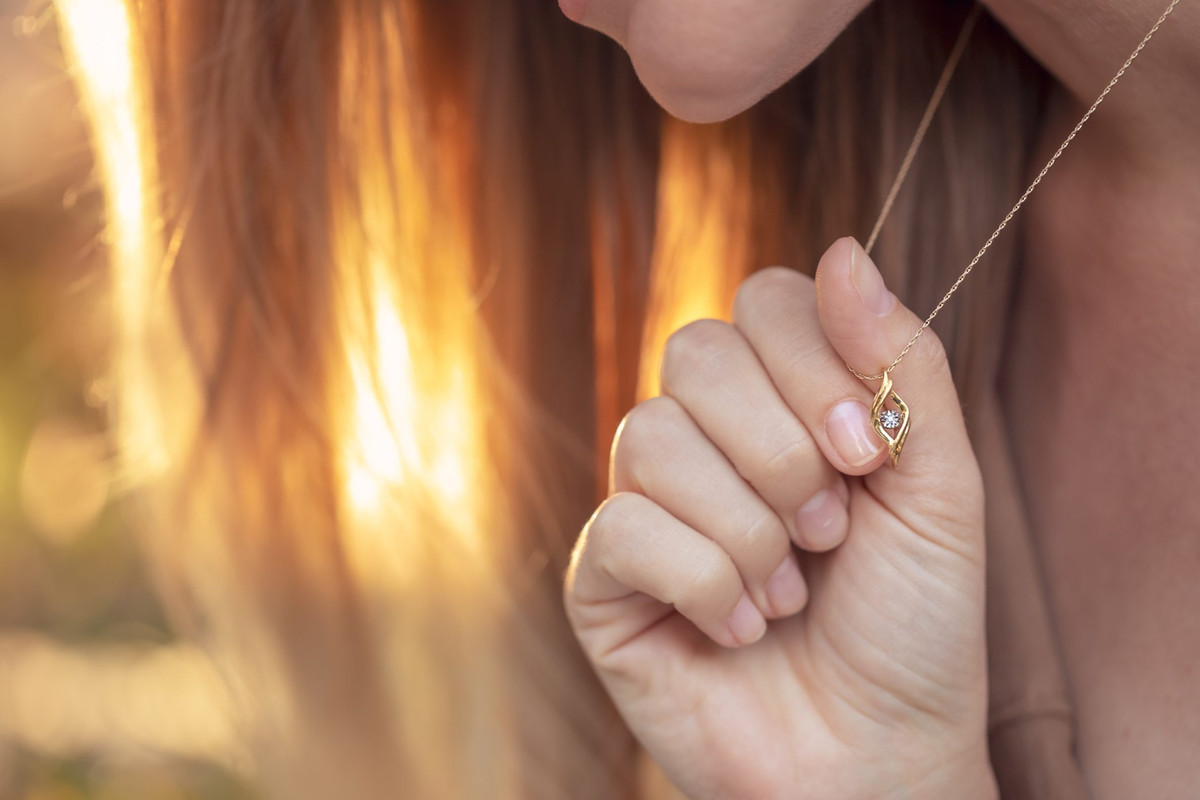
(700, 211)
(378, 450)
(411, 421)
(97, 40)
(387, 451)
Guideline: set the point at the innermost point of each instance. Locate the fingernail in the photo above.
(747, 623)
(817, 520)
(848, 427)
(785, 589)
(869, 283)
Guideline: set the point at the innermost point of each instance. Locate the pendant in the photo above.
(895, 419)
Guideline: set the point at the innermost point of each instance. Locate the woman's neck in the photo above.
(1097, 388)
(1111, 266)
(1115, 209)
(1083, 42)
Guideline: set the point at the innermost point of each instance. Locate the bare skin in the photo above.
(761, 447)
(1100, 392)
(1106, 338)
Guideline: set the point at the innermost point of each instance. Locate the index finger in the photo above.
(776, 310)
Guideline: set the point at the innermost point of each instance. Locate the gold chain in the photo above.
(934, 101)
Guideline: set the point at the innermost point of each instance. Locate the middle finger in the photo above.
(710, 369)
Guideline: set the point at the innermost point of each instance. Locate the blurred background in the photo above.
(97, 698)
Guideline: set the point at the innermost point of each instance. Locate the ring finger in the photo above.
(712, 371)
(661, 453)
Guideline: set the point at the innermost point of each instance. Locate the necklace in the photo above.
(897, 418)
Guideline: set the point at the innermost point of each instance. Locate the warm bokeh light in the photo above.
(379, 449)
(407, 412)
(404, 580)
(94, 699)
(702, 206)
(122, 700)
(412, 435)
(412, 415)
(97, 40)
(64, 479)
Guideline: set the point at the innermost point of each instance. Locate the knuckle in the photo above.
(646, 428)
(762, 540)
(611, 520)
(807, 355)
(603, 543)
(766, 284)
(607, 539)
(790, 459)
(606, 535)
(694, 347)
(712, 581)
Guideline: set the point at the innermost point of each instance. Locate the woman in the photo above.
(425, 255)
(879, 686)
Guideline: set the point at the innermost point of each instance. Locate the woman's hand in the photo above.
(751, 490)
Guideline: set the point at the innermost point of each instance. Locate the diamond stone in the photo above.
(890, 418)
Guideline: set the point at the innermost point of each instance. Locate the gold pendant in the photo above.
(885, 419)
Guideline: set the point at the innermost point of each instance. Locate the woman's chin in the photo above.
(708, 90)
(707, 68)
(701, 104)
(708, 60)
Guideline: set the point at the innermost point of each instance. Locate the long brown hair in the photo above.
(416, 259)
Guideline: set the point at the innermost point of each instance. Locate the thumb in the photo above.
(868, 327)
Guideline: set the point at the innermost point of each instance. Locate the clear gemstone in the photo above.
(890, 418)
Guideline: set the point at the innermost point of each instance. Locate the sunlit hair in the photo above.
(386, 274)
